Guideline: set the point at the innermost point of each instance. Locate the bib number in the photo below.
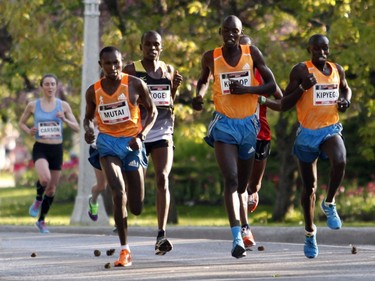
(326, 94)
(114, 113)
(242, 77)
(49, 129)
(161, 94)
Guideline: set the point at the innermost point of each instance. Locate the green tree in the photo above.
(348, 24)
(46, 36)
(37, 38)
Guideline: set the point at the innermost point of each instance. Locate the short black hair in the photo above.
(108, 49)
(149, 32)
(232, 18)
(314, 38)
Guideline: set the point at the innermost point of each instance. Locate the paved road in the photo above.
(199, 254)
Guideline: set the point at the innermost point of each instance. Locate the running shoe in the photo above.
(93, 210)
(41, 226)
(162, 246)
(34, 208)
(311, 247)
(252, 202)
(238, 250)
(333, 219)
(247, 237)
(125, 259)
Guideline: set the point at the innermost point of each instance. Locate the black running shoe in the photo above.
(162, 246)
(238, 250)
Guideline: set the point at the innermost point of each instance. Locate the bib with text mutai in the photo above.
(115, 114)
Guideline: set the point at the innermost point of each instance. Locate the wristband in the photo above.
(262, 100)
(302, 89)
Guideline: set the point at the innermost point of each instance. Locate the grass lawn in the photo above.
(15, 203)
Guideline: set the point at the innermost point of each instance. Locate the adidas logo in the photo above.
(121, 97)
(133, 164)
(246, 66)
(251, 150)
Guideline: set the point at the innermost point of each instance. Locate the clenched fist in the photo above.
(197, 103)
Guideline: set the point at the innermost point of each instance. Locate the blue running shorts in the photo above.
(119, 147)
(94, 158)
(240, 132)
(307, 144)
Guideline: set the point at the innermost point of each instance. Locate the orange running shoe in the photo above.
(248, 238)
(125, 259)
(252, 202)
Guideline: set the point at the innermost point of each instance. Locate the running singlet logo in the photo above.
(49, 129)
(113, 113)
(161, 94)
(241, 76)
(326, 94)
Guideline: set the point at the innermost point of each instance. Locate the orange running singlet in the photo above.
(234, 106)
(317, 107)
(115, 114)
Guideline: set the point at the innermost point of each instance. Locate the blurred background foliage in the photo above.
(43, 36)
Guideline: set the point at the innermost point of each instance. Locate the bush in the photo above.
(67, 187)
(354, 203)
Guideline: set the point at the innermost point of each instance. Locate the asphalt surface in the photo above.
(200, 253)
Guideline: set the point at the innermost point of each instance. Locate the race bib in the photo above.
(113, 113)
(49, 129)
(326, 94)
(161, 94)
(241, 76)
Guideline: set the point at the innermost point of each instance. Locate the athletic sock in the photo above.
(161, 233)
(39, 191)
(46, 204)
(246, 226)
(236, 232)
(309, 234)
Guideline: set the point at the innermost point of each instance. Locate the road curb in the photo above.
(344, 236)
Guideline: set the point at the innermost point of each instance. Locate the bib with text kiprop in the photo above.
(242, 77)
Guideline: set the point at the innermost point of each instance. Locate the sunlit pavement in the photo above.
(67, 253)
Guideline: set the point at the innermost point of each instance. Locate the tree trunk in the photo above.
(173, 214)
(285, 194)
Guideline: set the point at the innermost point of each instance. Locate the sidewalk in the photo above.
(344, 236)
